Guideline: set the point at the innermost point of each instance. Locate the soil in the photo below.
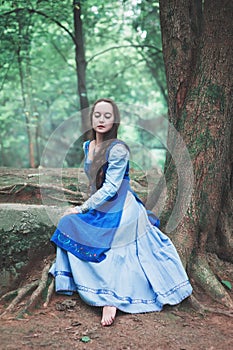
(68, 323)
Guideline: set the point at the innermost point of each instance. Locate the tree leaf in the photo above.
(227, 284)
(85, 339)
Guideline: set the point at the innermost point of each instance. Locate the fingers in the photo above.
(70, 211)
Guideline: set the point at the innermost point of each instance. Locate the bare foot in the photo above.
(108, 316)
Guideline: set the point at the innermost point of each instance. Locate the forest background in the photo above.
(57, 59)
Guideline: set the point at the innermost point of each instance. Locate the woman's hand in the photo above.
(73, 210)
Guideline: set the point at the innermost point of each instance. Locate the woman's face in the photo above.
(102, 117)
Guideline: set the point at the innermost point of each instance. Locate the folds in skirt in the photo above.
(141, 272)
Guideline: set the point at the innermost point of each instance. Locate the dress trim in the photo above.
(81, 251)
(131, 300)
(110, 292)
(62, 273)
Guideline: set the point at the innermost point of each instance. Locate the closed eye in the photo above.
(106, 115)
(97, 114)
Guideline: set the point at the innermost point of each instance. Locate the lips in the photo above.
(100, 126)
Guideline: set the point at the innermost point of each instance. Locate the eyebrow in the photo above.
(97, 112)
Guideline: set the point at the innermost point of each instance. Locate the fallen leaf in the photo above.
(85, 339)
(227, 284)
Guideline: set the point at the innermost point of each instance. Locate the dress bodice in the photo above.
(117, 165)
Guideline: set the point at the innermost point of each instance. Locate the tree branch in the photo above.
(62, 55)
(123, 46)
(32, 11)
(127, 67)
(7, 71)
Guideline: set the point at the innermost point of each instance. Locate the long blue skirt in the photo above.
(141, 272)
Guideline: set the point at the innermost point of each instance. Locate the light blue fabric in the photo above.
(117, 167)
(141, 270)
(103, 218)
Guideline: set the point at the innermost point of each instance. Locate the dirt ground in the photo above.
(68, 323)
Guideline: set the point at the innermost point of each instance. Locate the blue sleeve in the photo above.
(86, 147)
(117, 164)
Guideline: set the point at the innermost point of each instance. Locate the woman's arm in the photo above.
(117, 163)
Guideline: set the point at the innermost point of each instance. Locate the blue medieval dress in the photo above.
(114, 254)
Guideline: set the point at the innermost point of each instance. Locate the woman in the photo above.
(109, 249)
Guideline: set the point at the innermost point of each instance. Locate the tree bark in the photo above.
(25, 84)
(81, 66)
(197, 43)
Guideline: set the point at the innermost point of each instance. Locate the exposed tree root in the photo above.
(201, 308)
(49, 293)
(76, 202)
(11, 189)
(204, 276)
(21, 292)
(38, 286)
(41, 286)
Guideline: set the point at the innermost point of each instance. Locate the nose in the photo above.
(101, 118)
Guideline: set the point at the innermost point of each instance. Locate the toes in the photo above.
(108, 315)
(108, 322)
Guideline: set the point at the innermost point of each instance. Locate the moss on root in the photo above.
(204, 276)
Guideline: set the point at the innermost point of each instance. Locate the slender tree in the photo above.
(80, 64)
(25, 79)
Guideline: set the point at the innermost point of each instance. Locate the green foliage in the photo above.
(227, 284)
(38, 70)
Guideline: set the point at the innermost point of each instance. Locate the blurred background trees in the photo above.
(58, 57)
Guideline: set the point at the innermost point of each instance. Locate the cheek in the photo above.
(110, 122)
(110, 125)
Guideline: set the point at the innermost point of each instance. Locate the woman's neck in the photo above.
(98, 140)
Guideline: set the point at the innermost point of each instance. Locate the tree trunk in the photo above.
(25, 84)
(82, 92)
(221, 241)
(81, 66)
(197, 44)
